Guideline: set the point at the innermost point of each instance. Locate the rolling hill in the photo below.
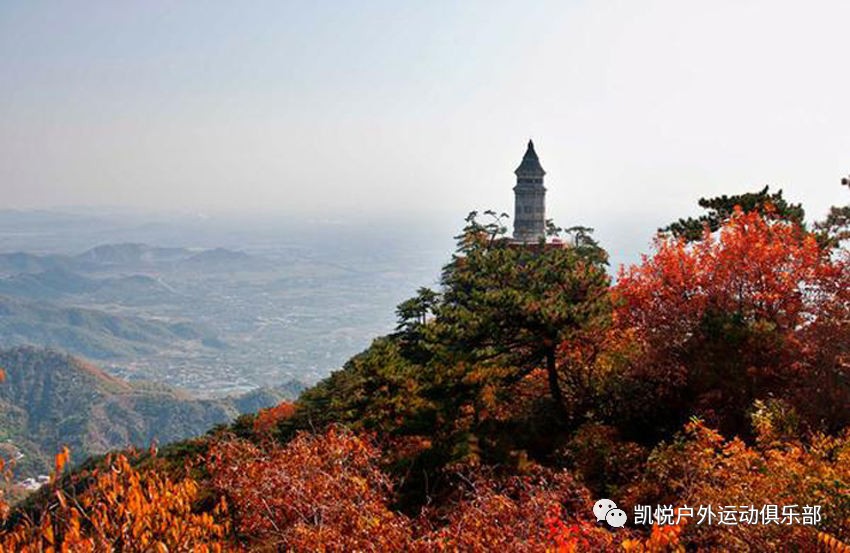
(92, 333)
(50, 399)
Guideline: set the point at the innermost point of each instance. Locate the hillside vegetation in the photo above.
(95, 334)
(714, 373)
(49, 400)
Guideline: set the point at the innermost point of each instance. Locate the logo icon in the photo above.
(607, 510)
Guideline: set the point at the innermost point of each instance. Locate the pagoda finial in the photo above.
(530, 162)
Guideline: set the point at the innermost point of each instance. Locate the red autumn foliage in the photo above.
(543, 512)
(759, 268)
(268, 419)
(326, 492)
(757, 309)
(317, 489)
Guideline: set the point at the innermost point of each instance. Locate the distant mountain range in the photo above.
(210, 320)
(49, 399)
(40, 297)
(130, 257)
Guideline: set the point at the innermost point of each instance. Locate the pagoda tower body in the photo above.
(529, 199)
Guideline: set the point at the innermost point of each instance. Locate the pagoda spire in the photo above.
(530, 164)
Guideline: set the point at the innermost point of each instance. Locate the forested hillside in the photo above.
(49, 400)
(528, 386)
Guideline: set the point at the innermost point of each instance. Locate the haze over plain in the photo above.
(345, 109)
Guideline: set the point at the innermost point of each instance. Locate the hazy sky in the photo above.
(637, 108)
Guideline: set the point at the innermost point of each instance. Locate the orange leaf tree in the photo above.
(739, 315)
(121, 509)
(702, 468)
